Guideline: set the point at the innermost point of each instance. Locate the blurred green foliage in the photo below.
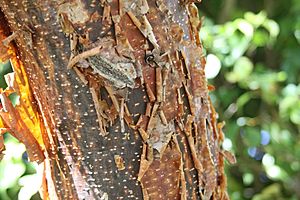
(18, 177)
(257, 44)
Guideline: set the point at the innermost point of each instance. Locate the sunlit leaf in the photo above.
(245, 27)
(261, 37)
(243, 68)
(272, 27)
(31, 184)
(256, 19)
(12, 166)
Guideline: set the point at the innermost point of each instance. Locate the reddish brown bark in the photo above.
(157, 138)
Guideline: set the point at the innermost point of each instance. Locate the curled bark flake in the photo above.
(98, 108)
(129, 121)
(127, 113)
(217, 127)
(165, 74)
(159, 85)
(147, 30)
(153, 114)
(106, 19)
(145, 27)
(190, 100)
(211, 88)
(121, 8)
(222, 178)
(10, 38)
(86, 54)
(113, 98)
(220, 126)
(139, 122)
(143, 134)
(186, 65)
(128, 117)
(23, 34)
(66, 24)
(81, 76)
(229, 156)
(123, 46)
(139, 71)
(121, 115)
(146, 160)
(195, 22)
(150, 94)
(135, 20)
(179, 98)
(148, 109)
(180, 111)
(180, 124)
(163, 117)
(73, 45)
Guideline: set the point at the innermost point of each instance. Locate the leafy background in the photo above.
(253, 60)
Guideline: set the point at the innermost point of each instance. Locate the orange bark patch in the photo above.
(23, 120)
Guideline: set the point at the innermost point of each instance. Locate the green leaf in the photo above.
(256, 19)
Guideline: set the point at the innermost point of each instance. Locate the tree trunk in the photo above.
(117, 98)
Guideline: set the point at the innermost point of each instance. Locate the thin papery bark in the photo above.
(132, 118)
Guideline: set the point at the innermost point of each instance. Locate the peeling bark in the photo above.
(120, 86)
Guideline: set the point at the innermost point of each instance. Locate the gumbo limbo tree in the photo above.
(113, 98)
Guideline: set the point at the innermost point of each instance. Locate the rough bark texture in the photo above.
(120, 89)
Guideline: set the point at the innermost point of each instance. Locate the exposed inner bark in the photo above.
(121, 91)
